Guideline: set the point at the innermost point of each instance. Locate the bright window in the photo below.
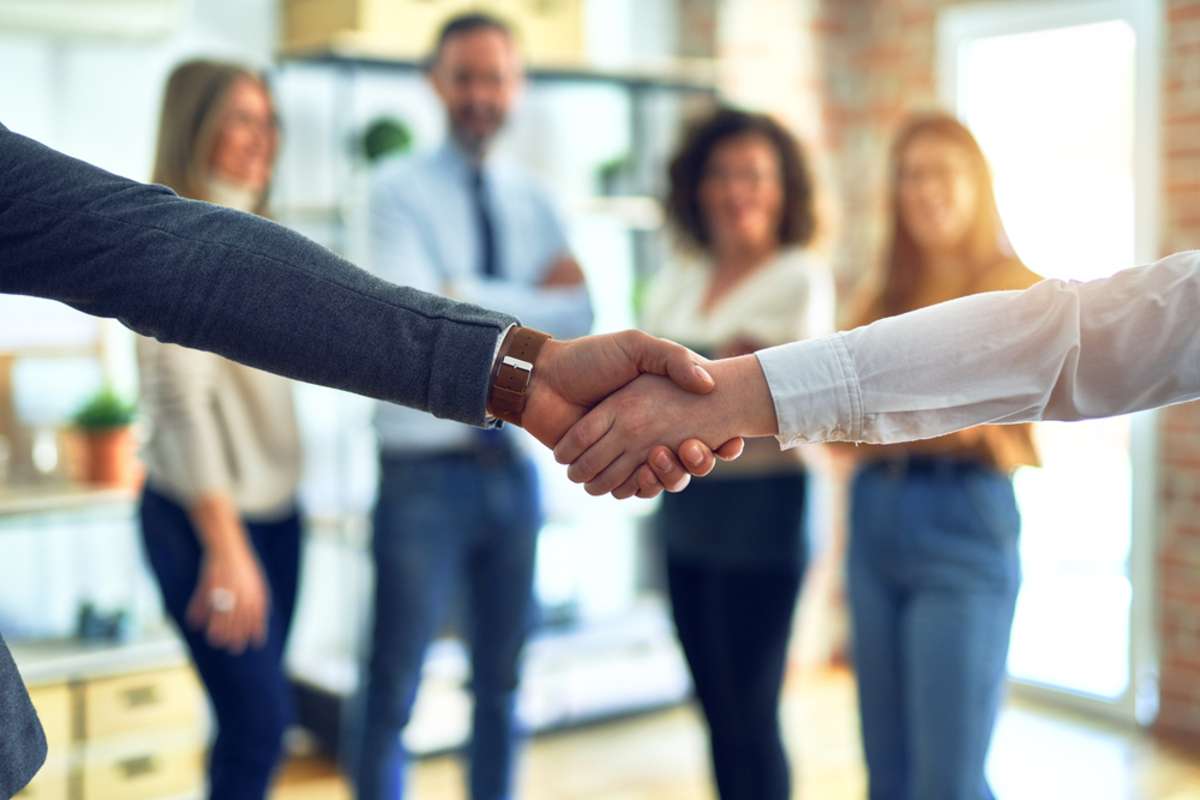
(1054, 110)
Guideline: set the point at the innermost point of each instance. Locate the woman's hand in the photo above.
(231, 602)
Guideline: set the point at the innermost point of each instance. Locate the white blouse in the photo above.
(790, 298)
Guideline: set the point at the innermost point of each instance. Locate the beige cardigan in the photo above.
(218, 427)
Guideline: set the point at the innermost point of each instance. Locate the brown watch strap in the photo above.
(512, 373)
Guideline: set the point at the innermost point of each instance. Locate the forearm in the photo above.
(218, 524)
(213, 279)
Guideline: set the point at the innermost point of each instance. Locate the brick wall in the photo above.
(1179, 444)
(853, 71)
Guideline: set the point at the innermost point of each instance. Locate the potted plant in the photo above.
(105, 424)
(385, 137)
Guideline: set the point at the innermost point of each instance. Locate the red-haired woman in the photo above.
(933, 563)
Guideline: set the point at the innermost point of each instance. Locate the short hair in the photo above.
(463, 24)
(797, 222)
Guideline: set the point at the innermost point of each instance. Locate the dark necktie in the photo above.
(489, 265)
(492, 443)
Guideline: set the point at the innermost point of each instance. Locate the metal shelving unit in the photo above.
(560, 658)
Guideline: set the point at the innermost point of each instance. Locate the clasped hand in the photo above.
(633, 414)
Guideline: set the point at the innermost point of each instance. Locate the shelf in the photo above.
(18, 500)
(637, 212)
(374, 52)
(47, 661)
(599, 670)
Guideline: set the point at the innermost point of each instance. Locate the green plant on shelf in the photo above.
(386, 136)
(105, 411)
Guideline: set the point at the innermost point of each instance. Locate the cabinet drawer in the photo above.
(49, 784)
(148, 773)
(53, 704)
(166, 700)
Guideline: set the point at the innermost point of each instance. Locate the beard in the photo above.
(475, 127)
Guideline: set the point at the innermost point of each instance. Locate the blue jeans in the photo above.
(251, 696)
(933, 578)
(443, 522)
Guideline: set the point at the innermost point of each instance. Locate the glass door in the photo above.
(1061, 96)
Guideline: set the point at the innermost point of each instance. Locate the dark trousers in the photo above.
(250, 694)
(933, 578)
(734, 619)
(445, 523)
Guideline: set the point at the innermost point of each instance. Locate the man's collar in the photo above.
(458, 158)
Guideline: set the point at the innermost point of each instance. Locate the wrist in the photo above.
(744, 403)
(227, 548)
(514, 372)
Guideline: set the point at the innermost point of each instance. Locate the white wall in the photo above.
(97, 97)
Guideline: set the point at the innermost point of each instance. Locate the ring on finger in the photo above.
(222, 600)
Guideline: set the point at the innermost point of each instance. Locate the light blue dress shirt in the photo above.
(424, 233)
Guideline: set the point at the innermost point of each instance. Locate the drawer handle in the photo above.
(136, 767)
(141, 696)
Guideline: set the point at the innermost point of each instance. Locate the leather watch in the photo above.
(513, 372)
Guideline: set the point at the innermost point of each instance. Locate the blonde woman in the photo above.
(219, 516)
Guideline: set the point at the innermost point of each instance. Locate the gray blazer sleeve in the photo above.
(22, 742)
(210, 278)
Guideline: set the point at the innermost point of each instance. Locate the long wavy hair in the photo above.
(194, 98)
(985, 245)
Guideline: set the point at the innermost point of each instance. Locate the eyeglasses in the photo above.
(750, 178)
(266, 126)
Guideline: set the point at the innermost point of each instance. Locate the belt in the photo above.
(489, 456)
(901, 466)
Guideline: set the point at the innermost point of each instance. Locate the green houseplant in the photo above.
(105, 426)
(384, 137)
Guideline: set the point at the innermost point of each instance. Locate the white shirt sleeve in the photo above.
(1056, 351)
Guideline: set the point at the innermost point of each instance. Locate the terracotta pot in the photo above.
(108, 457)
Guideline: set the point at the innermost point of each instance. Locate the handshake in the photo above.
(633, 414)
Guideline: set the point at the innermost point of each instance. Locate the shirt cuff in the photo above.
(815, 391)
(488, 420)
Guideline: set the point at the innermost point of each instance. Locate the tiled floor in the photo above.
(1038, 753)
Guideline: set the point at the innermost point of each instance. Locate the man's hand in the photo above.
(572, 376)
(612, 442)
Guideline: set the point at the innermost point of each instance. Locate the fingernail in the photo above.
(694, 457)
(702, 374)
(662, 461)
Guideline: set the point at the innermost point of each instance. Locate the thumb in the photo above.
(663, 357)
